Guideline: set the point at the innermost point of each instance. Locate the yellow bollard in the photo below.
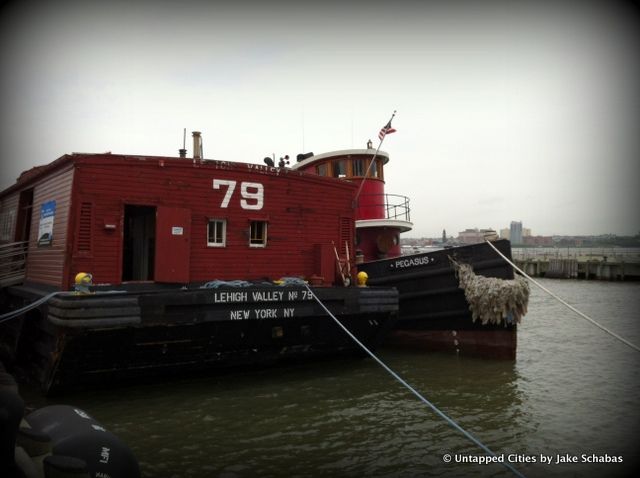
(362, 278)
(83, 281)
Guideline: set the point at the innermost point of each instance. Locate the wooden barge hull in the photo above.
(434, 314)
(120, 336)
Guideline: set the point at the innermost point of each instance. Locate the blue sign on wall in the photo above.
(45, 230)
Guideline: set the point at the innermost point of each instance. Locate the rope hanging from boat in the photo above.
(33, 305)
(16, 313)
(440, 413)
(584, 316)
(492, 300)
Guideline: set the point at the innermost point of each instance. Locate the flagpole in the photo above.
(366, 174)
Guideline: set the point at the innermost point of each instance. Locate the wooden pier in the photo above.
(582, 267)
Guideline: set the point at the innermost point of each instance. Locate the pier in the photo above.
(580, 265)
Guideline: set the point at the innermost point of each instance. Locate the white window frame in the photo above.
(217, 222)
(263, 240)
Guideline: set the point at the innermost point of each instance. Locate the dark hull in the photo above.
(92, 339)
(434, 314)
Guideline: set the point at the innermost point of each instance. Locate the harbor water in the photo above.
(571, 399)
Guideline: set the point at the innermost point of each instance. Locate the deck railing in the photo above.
(395, 206)
(13, 260)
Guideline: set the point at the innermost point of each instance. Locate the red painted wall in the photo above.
(371, 202)
(378, 243)
(302, 211)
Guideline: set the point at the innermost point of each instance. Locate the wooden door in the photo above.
(173, 244)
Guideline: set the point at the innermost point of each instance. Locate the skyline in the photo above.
(505, 112)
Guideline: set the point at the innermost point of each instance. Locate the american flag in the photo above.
(386, 129)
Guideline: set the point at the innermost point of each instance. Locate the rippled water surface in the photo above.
(572, 390)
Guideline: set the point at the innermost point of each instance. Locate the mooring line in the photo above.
(602, 327)
(449, 420)
(16, 313)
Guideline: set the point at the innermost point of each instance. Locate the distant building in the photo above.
(505, 233)
(474, 236)
(516, 232)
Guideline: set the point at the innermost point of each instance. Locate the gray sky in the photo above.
(505, 112)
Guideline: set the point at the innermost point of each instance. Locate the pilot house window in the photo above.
(322, 169)
(216, 233)
(258, 234)
(340, 169)
(358, 167)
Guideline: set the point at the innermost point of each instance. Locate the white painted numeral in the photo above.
(252, 194)
(231, 186)
(247, 195)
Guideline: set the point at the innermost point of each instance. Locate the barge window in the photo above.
(258, 234)
(217, 233)
(340, 169)
(7, 219)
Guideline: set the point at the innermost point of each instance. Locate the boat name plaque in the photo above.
(412, 262)
(269, 296)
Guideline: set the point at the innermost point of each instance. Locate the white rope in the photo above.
(16, 313)
(414, 391)
(602, 327)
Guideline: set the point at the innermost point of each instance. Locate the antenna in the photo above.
(302, 129)
(183, 152)
(351, 128)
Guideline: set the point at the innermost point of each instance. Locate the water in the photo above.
(572, 390)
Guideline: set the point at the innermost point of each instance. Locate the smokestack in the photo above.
(197, 145)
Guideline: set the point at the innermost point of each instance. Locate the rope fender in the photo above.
(492, 300)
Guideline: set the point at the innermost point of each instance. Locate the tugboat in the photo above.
(463, 300)
(171, 264)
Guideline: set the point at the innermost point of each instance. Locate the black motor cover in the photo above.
(75, 434)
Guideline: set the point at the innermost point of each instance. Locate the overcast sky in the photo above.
(505, 110)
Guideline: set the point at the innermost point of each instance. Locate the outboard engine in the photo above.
(72, 443)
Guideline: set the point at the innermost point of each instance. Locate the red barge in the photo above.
(165, 240)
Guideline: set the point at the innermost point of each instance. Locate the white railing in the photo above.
(13, 260)
(395, 206)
